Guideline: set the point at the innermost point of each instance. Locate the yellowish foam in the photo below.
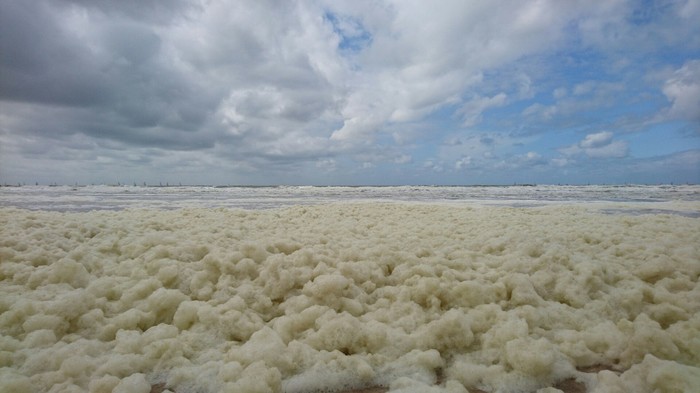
(323, 298)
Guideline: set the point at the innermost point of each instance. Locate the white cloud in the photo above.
(614, 149)
(327, 165)
(532, 158)
(585, 101)
(676, 167)
(434, 166)
(358, 129)
(598, 145)
(525, 89)
(403, 159)
(592, 141)
(598, 88)
(527, 161)
(584, 88)
(472, 110)
(559, 93)
(414, 65)
(471, 150)
(683, 90)
(691, 9)
(571, 150)
(463, 163)
(544, 112)
(560, 162)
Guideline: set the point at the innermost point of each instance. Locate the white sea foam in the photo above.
(413, 297)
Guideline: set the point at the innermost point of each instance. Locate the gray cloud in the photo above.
(152, 11)
(260, 86)
(42, 62)
(111, 70)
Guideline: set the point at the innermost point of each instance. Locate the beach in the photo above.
(338, 297)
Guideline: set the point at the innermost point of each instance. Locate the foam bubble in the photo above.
(349, 296)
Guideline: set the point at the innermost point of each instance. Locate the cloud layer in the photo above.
(342, 92)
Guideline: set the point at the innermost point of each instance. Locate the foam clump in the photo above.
(135, 383)
(343, 297)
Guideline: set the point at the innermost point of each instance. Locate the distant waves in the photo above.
(79, 198)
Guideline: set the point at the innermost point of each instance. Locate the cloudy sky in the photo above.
(349, 92)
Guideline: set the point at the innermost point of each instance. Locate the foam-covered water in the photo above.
(85, 198)
(338, 289)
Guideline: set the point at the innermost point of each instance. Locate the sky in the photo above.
(258, 92)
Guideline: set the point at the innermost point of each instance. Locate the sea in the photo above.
(119, 197)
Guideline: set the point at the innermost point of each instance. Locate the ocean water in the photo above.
(350, 289)
(101, 197)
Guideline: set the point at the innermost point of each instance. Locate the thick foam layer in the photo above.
(336, 297)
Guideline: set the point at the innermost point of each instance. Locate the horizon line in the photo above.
(167, 184)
